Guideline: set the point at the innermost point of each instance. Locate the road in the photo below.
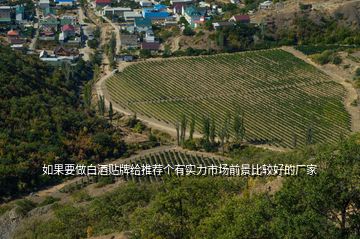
(32, 45)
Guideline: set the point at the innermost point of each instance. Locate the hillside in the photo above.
(42, 121)
(280, 96)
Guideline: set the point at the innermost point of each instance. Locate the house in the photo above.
(115, 11)
(149, 36)
(126, 58)
(220, 25)
(62, 51)
(142, 24)
(194, 15)
(102, 3)
(49, 11)
(55, 60)
(157, 12)
(68, 3)
(145, 3)
(265, 5)
(68, 20)
(181, 1)
(131, 16)
(244, 19)
(44, 4)
(152, 46)
(177, 8)
(5, 14)
(68, 30)
(49, 21)
(128, 41)
(235, 1)
(19, 11)
(14, 38)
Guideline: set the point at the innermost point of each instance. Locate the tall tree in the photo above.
(206, 128)
(212, 135)
(192, 126)
(183, 126)
(111, 112)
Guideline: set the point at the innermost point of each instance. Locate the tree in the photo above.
(212, 134)
(183, 125)
(206, 129)
(192, 127)
(177, 128)
(101, 105)
(188, 31)
(309, 136)
(111, 112)
(239, 127)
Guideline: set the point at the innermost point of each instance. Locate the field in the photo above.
(282, 97)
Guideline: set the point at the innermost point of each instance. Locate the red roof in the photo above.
(68, 27)
(103, 1)
(241, 18)
(150, 45)
(12, 33)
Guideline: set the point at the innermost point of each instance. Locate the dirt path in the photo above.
(351, 95)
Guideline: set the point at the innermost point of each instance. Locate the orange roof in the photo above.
(12, 33)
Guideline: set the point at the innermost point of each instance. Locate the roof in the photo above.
(132, 15)
(5, 8)
(12, 33)
(223, 24)
(159, 7)
(142, 22)
(193, 11)
(65, 21)
(64, 0)
(127, 39)
(20, 9)
(240, 18)
(150, 45)
(154, 14)
(68, 27)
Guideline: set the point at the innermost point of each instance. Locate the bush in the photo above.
(188, 31)
(24, 206)
(48, 200)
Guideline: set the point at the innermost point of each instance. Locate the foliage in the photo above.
(42, 121)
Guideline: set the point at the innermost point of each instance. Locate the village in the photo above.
(67, 30)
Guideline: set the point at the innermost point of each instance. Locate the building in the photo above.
(157, 12)
(142, 24)
(5, 14)
(68, 3)
(62, 51)
(152, 46)
(19, 13)
(145, 3)
(128, 41)
(181, 1)
(14, 37)
(149, 36)
(49, 11)
(220, 25)
(102, 3)
(194, 15)
(44, 4)
(55, 60)
(265, 5)
(131, 16)
(244, 19)
(115, 11)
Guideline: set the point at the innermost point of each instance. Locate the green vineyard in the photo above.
(282, 97)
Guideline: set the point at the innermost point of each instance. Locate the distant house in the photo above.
(48, 11)
(157, 12)
(142, 24)
(244, 19)
(102, 3)
(126, 58)
(62, 51)
(19, 11)
(128, 41)
(220, 25)
(131, 16)
(194, 15)
(68, 20)
(44, 4)
(65, 2)
(145, 3)
(5, 14)
(68, 30)
(149, 36)
(152, 46)
(55, 60)
(14, 37)
(180, 1)
(177, 8)
(115, 11)
(49, 21)
(265, 5)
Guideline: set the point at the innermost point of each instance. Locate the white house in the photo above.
(149, 36)
(115, 11)
(145, 3)
(265, 5)
(131, 16)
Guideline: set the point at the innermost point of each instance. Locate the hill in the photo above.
(281, 97)
(42, 121)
